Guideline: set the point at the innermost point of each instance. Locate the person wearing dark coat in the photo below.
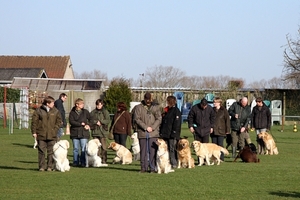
(261, 121)
(60, 107)
(240, 113)
(221, 125)
(201, 119)
(171, 127)
(79, 119)
(45, 123)
(122, 124)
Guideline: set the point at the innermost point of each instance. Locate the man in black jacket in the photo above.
(201, 121)
(60, 107)
(261, 121)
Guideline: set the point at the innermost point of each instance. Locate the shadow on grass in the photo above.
(24, 145)
(17, 168)
(286, 194)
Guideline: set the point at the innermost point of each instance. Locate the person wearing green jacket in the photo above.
(46, 120)
(99, 127)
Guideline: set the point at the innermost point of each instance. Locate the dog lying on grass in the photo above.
(248, 154)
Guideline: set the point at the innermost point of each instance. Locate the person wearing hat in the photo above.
(147, 117)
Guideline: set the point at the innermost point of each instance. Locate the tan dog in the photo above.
(122, 153)
(185, 159)
(60, 153)
(162, 157)
(269, 143)
(208, 151)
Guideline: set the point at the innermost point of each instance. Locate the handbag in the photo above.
(111, 134)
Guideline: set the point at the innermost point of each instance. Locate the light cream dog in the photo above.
(123, 155)
(162, 157)
(269, 143)
(208, 151)
(135, 146)
(91, 154)
(60, 152)
(185, 159)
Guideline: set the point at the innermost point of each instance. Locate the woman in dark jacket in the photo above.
(221, 125)
(171, 127)
(79, 119)
(122, 124)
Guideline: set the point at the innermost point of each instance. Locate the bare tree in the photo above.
(160, 76)
(291, 68)
(95, 74)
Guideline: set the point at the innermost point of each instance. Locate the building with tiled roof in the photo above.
(54, 66)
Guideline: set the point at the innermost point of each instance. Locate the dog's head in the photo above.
(263, 135)
(134, 135)
(195, 144)
(113, 146)
(161, 144)
(183, 144)
(97, 142)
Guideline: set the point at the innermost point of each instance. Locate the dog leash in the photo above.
(272, 136)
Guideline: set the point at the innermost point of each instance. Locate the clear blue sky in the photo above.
(241, 39)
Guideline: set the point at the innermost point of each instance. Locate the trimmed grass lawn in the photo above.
(275, 177)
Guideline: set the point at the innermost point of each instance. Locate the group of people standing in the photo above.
(49, 120)
(150, 121)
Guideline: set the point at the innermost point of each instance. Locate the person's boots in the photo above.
(233, 152)
(104, 156)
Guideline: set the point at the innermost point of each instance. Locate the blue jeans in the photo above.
(60, 132)
(76, 144)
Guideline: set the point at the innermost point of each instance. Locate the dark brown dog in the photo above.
(247, 155)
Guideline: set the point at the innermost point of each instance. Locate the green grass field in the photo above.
(275, 177)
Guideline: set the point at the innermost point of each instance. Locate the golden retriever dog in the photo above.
(123, 155)
(184, 154)
(208, 151)
(162, 157)
(60, 152)
(269, 143)
(135, 146)
(91, 154)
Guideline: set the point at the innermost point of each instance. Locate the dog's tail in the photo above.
(225, 151)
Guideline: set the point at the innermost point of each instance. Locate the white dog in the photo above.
(91, 154)
(60, 152)
(162, 157)
(135, 146)
(35, 143)
(122, 153)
